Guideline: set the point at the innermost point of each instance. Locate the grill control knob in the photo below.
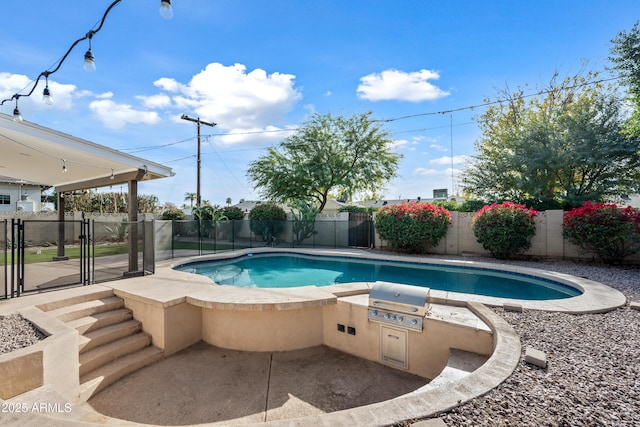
(393, 317)
(386, 315)
(400, 318)
(374, 313)
(414, 322)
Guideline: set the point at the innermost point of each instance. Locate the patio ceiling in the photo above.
(37, 154)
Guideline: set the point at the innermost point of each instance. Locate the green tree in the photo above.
(190, 197)
(328, 154)
(625, 56)
(565, 145)
(267, 220)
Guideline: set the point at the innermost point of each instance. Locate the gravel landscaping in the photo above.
(593, 372)
(17, 332)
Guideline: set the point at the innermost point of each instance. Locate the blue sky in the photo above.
(258, 68)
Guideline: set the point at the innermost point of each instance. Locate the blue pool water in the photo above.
(287, 270)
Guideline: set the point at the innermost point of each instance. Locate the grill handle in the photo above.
(392, 307)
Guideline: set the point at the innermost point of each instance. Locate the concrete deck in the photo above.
(205, 384)
(315, 386)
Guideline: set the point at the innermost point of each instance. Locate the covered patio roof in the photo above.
(45, 156)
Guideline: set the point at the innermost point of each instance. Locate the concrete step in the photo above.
(98, 379)
(85, 294)
(87, 308)
(99, 356)
(105, 335)
(100, 320)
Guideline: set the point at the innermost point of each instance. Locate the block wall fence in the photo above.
(547, 242)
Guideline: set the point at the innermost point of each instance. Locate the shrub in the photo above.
(609, 231)
(233, 213)
(504, 229)
(267, 221)
(412, 226)
(173, 214)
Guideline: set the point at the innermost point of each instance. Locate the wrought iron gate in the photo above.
(361, 230)
(29, 266)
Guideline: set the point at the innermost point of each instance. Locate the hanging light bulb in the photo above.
(89, 61)
(166, 11)
(64, 165)
(47, 98)
(17, 117)
(112, 175)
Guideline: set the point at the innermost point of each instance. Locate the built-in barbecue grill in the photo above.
(398, 305)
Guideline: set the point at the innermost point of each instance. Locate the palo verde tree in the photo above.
(565, 145)
(327, 154)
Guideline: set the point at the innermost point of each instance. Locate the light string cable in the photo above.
(47, 73)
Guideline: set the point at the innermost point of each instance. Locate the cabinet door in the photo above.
(393, 346)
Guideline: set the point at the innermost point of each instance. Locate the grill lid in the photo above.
(399, 297)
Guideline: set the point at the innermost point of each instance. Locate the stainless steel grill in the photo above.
(399, 305)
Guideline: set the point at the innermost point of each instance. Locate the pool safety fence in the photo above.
(40, 255)
(176, 239)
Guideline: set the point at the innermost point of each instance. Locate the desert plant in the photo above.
(304, 215)
(267, 221)
(504, 229)
(611, 232)
(412, 226)
(119, 231)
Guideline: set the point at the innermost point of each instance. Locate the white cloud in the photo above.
(117, 116)
(155, 101)
(446, 160)
(425, 172)
(104, 95)
(400, 85)
(438, 147)
(11, 84)
(233, 97)
(268, 134)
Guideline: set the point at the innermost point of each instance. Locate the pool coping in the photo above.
(596, 297)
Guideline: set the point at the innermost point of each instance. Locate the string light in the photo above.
(89, 60)
(166, 11)
(17, 117)
(47, 98)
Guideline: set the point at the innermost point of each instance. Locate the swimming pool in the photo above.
(287, 270)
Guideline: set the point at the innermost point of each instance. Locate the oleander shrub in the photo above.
(233, 213)
(504, 229)
(412, 227)
(173, 214)
(267, 221)
(605, 229)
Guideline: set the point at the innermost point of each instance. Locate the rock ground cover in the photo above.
(593, 372)
(17, 332)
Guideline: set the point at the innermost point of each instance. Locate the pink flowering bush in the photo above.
(413, 226)
(609, 231)
(504, 229)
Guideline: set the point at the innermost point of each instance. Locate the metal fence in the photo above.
(176, 239)
(40, 255)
